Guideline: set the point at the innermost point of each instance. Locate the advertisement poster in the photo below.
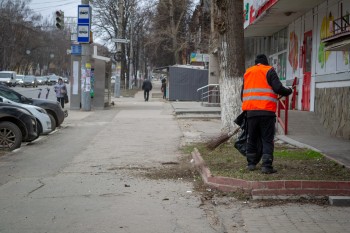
(75, 77)
(87, 84)
(86, 77)
(92, 91)
(83, 77)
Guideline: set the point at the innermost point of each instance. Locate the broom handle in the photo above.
(230, 134)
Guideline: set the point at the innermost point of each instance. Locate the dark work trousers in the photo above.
(164, 93)
(146, 94)
(61, 101)
(261, 128)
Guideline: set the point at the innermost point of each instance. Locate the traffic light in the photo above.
(118, 56)
(60, 19)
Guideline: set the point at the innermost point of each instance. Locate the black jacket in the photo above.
(277, 87)
(147, 85)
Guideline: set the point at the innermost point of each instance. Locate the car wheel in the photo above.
(40, 127)
(53, 121)
(10, 136)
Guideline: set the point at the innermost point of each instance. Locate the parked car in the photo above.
(30, 80)
(16, 125)
(53, 79)
(65, 80)
(53, 108)
(8, 78)
(19, 79)
(43, 119)
(42, 80)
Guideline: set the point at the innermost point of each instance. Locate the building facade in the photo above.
(308, 43)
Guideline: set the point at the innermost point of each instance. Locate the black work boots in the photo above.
(268, 170)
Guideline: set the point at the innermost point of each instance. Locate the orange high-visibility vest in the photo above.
(257, 93)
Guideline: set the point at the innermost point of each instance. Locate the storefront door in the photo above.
(307, 56)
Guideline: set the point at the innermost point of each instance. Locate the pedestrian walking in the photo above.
(163, 88)
(261, 87)
(61, 90)
(146, 87)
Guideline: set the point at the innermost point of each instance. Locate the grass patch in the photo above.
(291, 163)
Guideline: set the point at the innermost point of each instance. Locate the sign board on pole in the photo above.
(123, 41)
(84, 14)
(199, 57)
(83, 33)
(84, 20)
(75, 49)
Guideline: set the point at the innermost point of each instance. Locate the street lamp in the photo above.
(49, 61)
(27, 66)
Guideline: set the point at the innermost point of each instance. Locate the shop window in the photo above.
(278, 52)
(282, 40)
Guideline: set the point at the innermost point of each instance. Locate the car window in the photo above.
(29, 78)
(10, 95)
(5, 75)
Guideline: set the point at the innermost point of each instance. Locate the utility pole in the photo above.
(131, 66)
(119, 50)
(86, 71)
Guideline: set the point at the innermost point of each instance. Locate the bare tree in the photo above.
(107, 21)
(168, 33)
(27, 41)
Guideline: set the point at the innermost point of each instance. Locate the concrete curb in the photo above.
(275, 189)
(295, 143)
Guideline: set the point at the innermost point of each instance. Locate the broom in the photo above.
(214, 143)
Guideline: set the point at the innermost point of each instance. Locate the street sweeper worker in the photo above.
(261, 87)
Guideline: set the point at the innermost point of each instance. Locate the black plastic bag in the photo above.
(66, 99)
(241, 142)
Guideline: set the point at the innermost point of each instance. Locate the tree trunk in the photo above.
(231, 59)
(173, 31)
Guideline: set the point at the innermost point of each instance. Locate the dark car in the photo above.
(53, 79)
(53, 108)
(30, 81)
(16, 126)
(42, 80)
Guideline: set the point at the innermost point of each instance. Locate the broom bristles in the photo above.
(214, 143)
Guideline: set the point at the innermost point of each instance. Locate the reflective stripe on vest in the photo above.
(257, 93)
(260, 98)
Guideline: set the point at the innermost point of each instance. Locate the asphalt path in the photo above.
(86, 176)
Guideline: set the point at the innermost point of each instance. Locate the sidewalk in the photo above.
(305, 130)
(240, 216)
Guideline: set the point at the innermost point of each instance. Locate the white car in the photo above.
(44, 122)
(8, 78)
(19, 79)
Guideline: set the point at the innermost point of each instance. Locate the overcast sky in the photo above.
(47, 7)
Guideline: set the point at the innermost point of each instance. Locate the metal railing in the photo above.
(283, 104)
(210, 93)
(341, 24)
(295, 93)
